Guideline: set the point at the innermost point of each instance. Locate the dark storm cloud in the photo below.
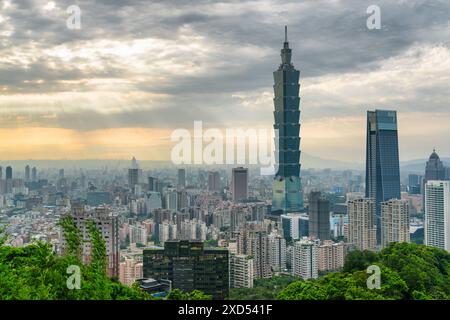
(327, 37)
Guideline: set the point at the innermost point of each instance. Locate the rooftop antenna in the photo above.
(285, 34)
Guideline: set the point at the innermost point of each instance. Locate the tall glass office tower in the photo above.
(382, 159)
(287, 190)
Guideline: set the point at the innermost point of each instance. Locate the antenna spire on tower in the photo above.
(285, 34)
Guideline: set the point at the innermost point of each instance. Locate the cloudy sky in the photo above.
(138, 69)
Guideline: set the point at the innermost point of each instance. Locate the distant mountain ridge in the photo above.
(308, 161)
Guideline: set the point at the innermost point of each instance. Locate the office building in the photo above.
(437, 214)
(239, 184)
(361, 224)
(153, 184)
(190, 266)
(9, 173)
(181, 178)
(287, 190)
(171, 200)
(27, 173)
(295, 225)
(319, 216)
(414, 183)
(34, 174)
(382, 160)
(133, 178)
(213, 181)
(394, 222)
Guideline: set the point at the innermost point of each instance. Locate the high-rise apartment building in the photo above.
(319, 216)
(437, 214)
(305, 259)
(382, 160)
(130, 270)
(108, 225)
(239, 184)
(361, 223)
(138, 234)
(277, 252)
(287, 190)
(190, 266)
(394, 222)
(331, 256)
(241, 271)
(258, 248)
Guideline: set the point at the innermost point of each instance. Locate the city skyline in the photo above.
(118, 87)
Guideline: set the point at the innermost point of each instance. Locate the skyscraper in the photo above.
(394, 222)
(287, 191)
(9, 173)
(437, 214)
(239, 182)
(434, 169)
(181, 178)
(319, 216)
(153, 184)
(382, 160)
(133, 178)
(27, 173)
(34, 174)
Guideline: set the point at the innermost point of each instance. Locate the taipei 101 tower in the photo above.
(287, 189)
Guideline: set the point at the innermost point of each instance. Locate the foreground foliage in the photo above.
(263, 289)
(35, 272)
(408, 271)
